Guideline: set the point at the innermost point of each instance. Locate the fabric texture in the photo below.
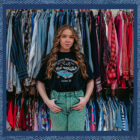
(66, 74)
(68, 119)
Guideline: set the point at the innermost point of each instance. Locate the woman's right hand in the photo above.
(53, 107)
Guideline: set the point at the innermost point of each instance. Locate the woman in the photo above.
(66, 72)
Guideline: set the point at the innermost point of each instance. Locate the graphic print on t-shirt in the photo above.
(65, 68)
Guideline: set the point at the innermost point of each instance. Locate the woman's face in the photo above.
(66, 40)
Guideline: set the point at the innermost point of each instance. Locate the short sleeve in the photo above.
(89, 71)
(41, 75)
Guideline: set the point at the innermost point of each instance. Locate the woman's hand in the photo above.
(53, 107)
(80, 106)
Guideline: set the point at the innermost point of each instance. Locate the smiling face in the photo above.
(66, 40)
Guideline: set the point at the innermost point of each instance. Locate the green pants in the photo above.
(68, 119)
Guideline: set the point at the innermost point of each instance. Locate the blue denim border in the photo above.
(71, 6)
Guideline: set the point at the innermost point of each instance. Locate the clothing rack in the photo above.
(95, 11)
(27, 93)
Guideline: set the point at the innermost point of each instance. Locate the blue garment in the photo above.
(33, 15)
(42, 33)
(122, 117)
(111, 117)
(129, 107)
(51, 33)
(77, 28)
(130, 114)
(62, 18)
(39, 119)
(56, 18)
(40, 43)
(23, 22)
(41, 38)
(34, 47)
(108, 116)
(68, 16)
(80, 22)
(125, 116)
(94, 48)
(46, 21)
(17, 82)
(94, 113)
(17, 56)
(101, 116)
(89, 44)
(106, 121)
(72, 23)
(113, 113)
(118, 123)
(87, 128)
(8, 51)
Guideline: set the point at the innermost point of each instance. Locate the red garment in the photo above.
(132, 54)
(124, 51)
(22, 120)
(129, 35)
(15, 113)
(118, 23)
(10, 113)
(111, 67)
(109, 20)
(17, 128)
(92, 123)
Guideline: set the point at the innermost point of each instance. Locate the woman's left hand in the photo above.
(80, 106)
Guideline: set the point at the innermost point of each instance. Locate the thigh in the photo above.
(76, 120)
(58, 121)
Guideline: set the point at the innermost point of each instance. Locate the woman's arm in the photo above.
(42, 91)
(50, 103)
(84, 100)
(89, 89)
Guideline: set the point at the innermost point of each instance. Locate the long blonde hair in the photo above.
(52, 57)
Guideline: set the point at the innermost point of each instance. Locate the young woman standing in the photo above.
(66, 72)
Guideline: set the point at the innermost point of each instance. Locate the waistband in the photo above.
(68, 93)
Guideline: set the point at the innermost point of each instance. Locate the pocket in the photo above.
(60, 99)
(79, 95)
(54, 95)
(75, 100)
(76, 96)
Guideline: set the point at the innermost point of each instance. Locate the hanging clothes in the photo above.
(17, 56)
(124, 54)
(105, 42)
(118, 25)
(104, 51)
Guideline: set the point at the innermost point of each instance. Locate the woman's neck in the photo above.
(62, 50)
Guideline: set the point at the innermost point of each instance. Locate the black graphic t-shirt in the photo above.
(66, 75)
